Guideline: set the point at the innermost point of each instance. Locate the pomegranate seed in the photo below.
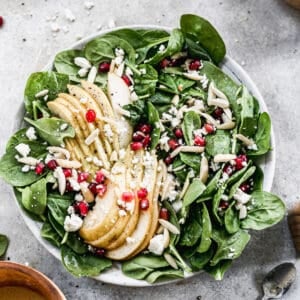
(127, 196)
(146, 141)
(199, 141)
(164, 63)
(144, 204)
(178, 133)
(142, 193)
(135, 146)
(173, 144)
(39, 168)
(68, 186)
(195, 64)
(104, 67)
(67, 172)
(52, 164)
(138, 136)
(218, 112)
(126, 80)
(228, 169)
(101, 189)
(245, 187)
(99, 177)
(99, 252)
(223, 204)
(1, 21)
(164, 214)
(168, 160)
(240, 161)
(82, 176)
(144, 128)
(82, 208)
(209, 128)
(90, 116)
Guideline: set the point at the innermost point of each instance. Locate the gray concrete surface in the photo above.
(262, 35)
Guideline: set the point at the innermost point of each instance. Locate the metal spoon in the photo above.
(278, 281)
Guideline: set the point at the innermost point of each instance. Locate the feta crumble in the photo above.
(23, 149)
(31, 134)
(156, 244)
(72, 223)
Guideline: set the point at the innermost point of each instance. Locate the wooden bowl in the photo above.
(13, 274)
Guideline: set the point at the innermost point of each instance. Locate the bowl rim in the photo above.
(231, 68)
(35, 274)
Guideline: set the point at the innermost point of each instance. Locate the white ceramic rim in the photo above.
(230, 67)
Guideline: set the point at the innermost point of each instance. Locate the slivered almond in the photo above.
(166, 238)
(243, 212)
(61, 180)
(224, 157)
(244, 139)
(72, 164)
(92, 137)
(53, 150)
(228, 125)
(122, 111)
(171, 260)
(172, 228)
(228, 113)
(193, 76)
(209, 118)
(185, 186)
(31, 161)
(178, 168)
(175, 100)
(92, 75)
(203, 175)
(193, 149)
(87, 194)
(160, 229)
(217, 92)
(223, 103)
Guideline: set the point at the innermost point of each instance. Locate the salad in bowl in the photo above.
(138, 149)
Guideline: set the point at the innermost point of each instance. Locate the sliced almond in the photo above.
(166, 238)
(160, 229)
(193, 149)
(228, 125)
(244, 139)
(171, 260)
(243, 212)
(31, 161)
(92, 137)
(224, 157)
(172, 228)
(193, 76)
(72, 164)
(228, 113)
(217, 92)
(203, 175)
(61, 180)
(223, 103)
(175, 100)
(87, 194)
(53, 150)
(209, 119)
(122, 111)
(185, 186)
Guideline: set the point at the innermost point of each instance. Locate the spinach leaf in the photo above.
(191, 159)
(49, 234)
(265, 210)
(193, 228)
(160, 98)
(52, 81)
(216, 202)
(238, 174)
(174, 84)
(58, 206)
(152, 35)
(206, 35)
(50, 130)
(218, 271)
(34, 197)
(64, 63)
(248, 124)
(258, 179)
(262, 136)
(231, 219)
(153, 118)
(175, 45)
(199, 260)
(145, 82)
(194, 191)
(3, 244)
(182, 173)
(211, 187)
(229, 246)
(206, 231)
(164, 274)
(194, 49)
(137, 111)
(16, 139)
(83, 265)
(191, 122)
(218, 143)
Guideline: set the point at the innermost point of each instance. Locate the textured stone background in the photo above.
(262, 35)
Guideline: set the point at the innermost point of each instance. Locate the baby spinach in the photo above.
(211, 187)
(206, 231)
(264, 210)
(195, 49)
(3, 244)
(153, 118)
(230, 246)
(218, 143)
(206, 34)
(218, 271)
(49, 234)
(199, 260)
(58, 206)
(238, 174)
(34, 197)
(216, 202)
(174, 84)
(137, 111)
(191, 122)
(52, 81)
(164, 274)
(231, 219)
(50, 130)
(194, 191)
(145, 82)
(83, 265)
(191, 159)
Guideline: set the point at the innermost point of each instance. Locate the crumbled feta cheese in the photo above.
(156, 244)
(41, 94)
(147, 160)
(243, 212)
(74, 184)
(108, 132)
(92, 75)
(71, 210)
(83, 72)
(177, 205)
(134, 96)
(143, 71)
(166, 117)
(97, 162)
(175, 122)
(23, 149)
(119, 52)
(163, 142)
(78, 197)
(72, 223)
(30, 133)
(83, 100)
(132, 185)
(241, 196)
(25, 169)
(253, 147)
(82, 62)
(63, 126)
(69, 15)
(161, 48)
(89, 159)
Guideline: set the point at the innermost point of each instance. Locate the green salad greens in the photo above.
(206, 129)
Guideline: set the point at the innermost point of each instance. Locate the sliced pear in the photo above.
(145, 219)
(119, 95)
